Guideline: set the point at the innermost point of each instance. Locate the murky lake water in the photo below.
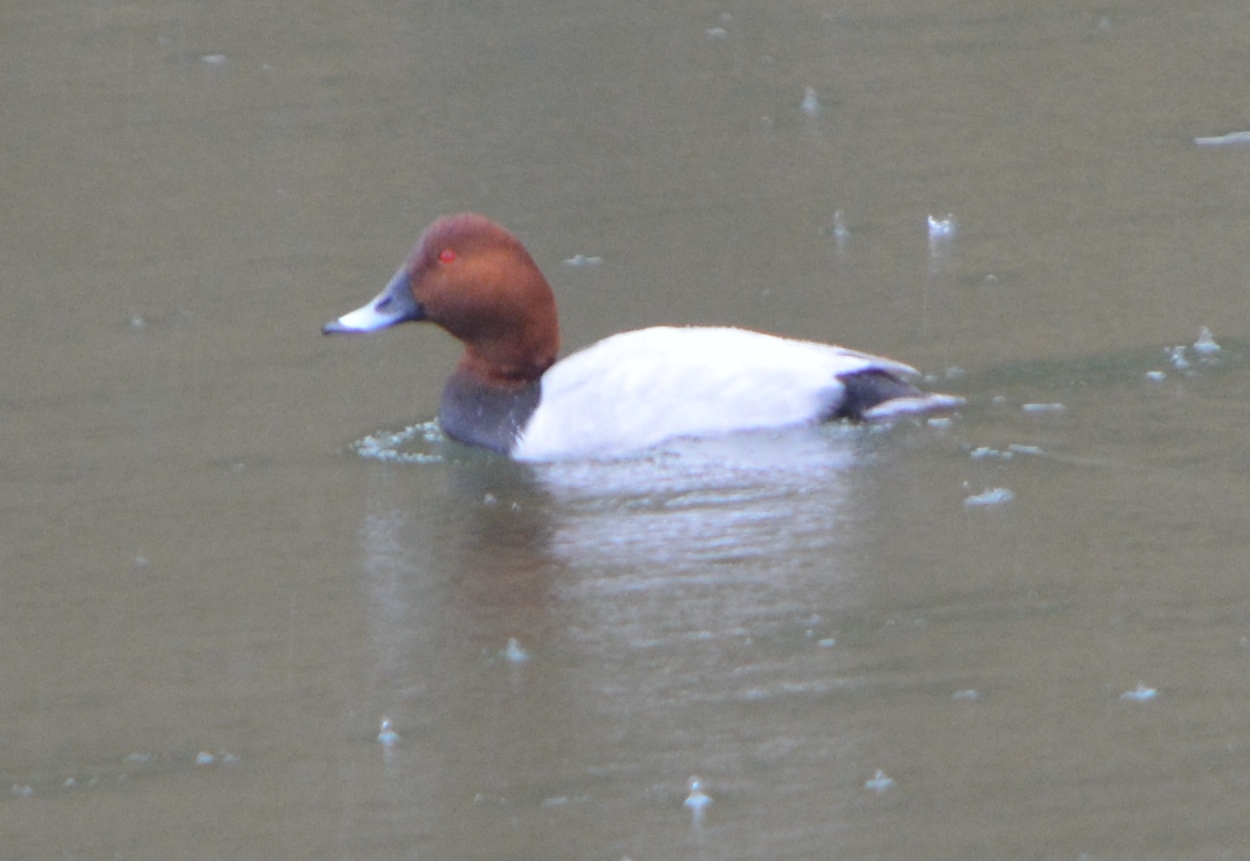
(212, 593)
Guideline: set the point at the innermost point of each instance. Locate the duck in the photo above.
(625, 394)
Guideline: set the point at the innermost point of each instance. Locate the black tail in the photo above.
(869, 388)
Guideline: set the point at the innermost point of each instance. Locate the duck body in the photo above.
(626, 393)
(650, 385)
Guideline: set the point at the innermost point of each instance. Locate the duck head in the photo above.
(476, 280)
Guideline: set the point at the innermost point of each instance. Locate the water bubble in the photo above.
(879, 782)
(810, 104)
(514, 653)
(697, 800)
(1205, 345)
(992, 496)
(386, 734)
(1142, 693)
(1230, 139)
(942, 227)
(1017, 448)
(839, 231)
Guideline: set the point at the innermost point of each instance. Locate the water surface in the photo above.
(212, 596)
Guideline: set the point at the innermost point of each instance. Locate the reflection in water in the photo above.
(702, 502)
(682, 509)
(628, 597)
(706, 540)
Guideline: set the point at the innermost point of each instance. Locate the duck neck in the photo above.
(486, 413)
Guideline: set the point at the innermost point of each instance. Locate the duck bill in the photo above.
(393, 305)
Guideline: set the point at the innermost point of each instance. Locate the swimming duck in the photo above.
(626, 393)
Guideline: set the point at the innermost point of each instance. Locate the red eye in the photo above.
(447, 255)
